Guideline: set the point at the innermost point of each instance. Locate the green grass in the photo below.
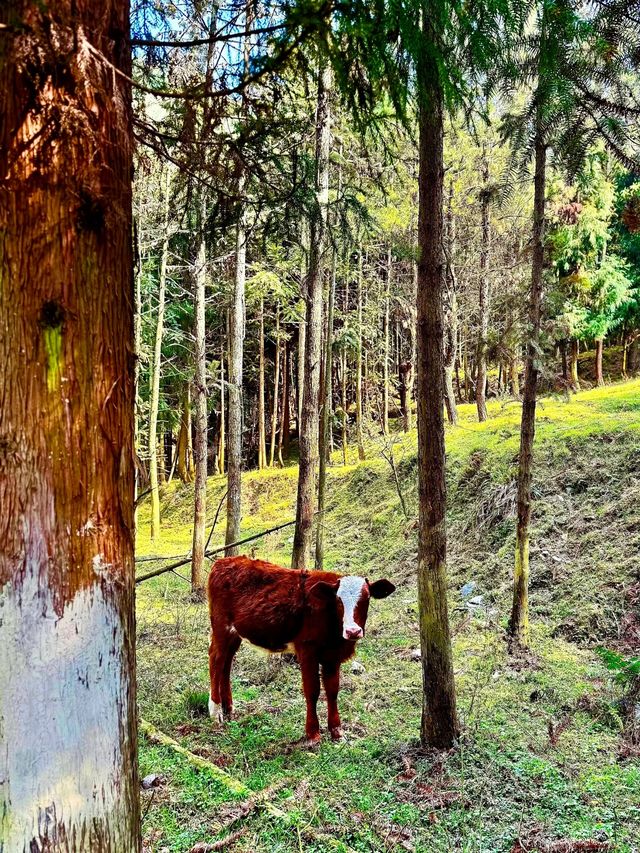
(377, 791)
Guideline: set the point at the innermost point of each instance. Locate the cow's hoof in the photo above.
(337, 733)
(215, 712)
(312, 741)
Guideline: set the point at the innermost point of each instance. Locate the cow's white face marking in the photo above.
(349, 592)
(215, 711)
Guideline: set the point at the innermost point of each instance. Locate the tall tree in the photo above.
(156, 364)
(359, 427)
(236, 347)
(67, 660)
(439, 726)
(198, 567)
(483, 292)
(308, 439)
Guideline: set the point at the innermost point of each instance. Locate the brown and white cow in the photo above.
(317, 615)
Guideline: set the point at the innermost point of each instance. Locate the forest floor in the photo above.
(542, 758)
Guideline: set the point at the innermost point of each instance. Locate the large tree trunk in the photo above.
(483, 296)
(325, 421)
(519, 621)
(276, 383)
(236, 346)
(439, 719)
(262, 437)
(156, 366)
(359, 432)
(599, 351)
(68, 760)
(303, 536)
(198, 567)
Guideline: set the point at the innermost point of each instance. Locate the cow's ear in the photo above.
(381, 588)
(323, 591)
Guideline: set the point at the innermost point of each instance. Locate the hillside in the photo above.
(541, 750)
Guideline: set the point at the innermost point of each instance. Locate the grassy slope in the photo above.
(507, 777)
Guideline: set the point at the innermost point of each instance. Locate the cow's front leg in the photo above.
(331, 681)
(310, 669)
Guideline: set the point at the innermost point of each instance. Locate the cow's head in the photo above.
(352, 594)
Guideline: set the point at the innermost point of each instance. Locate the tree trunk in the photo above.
(439, 726)
(284, 413)
(359, 436)
(303, 536)
(198, 567)
(262, 438)
(325, 420)
(156, 367)
(385, 365)
(285, 435)
(236, 345)
(222, 438)
(562, 346)
(137, 343)
(68, 760)
(483, 300)
(575, 379)
(185, 449)
(451, 314)
(519, 622)
(599, 351)
(276, 383)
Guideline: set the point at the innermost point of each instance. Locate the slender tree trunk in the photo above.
(519, 622)
(359, 435)
(68, 760)
(514, 378)
(303, 535)
(385, 365)
(137, 343)
(236, 346)
(599, 351)
(285, 435)
(562, 345)
(156, 367)
(185, 449)
(439, 726)
(262, 438)
(451, 314)
(284, 417)
(198, 568)
(222, 438)
(302, 331)
(483, 300)
(465, 364)
(276, 383)
(325, 420)
(575, 379)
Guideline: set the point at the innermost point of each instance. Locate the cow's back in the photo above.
(262, 602)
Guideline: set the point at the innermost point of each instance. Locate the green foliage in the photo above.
(625, 671)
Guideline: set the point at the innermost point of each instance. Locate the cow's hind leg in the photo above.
(215, 664)
(231, 647)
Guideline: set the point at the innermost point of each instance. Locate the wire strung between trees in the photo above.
(156, 572)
